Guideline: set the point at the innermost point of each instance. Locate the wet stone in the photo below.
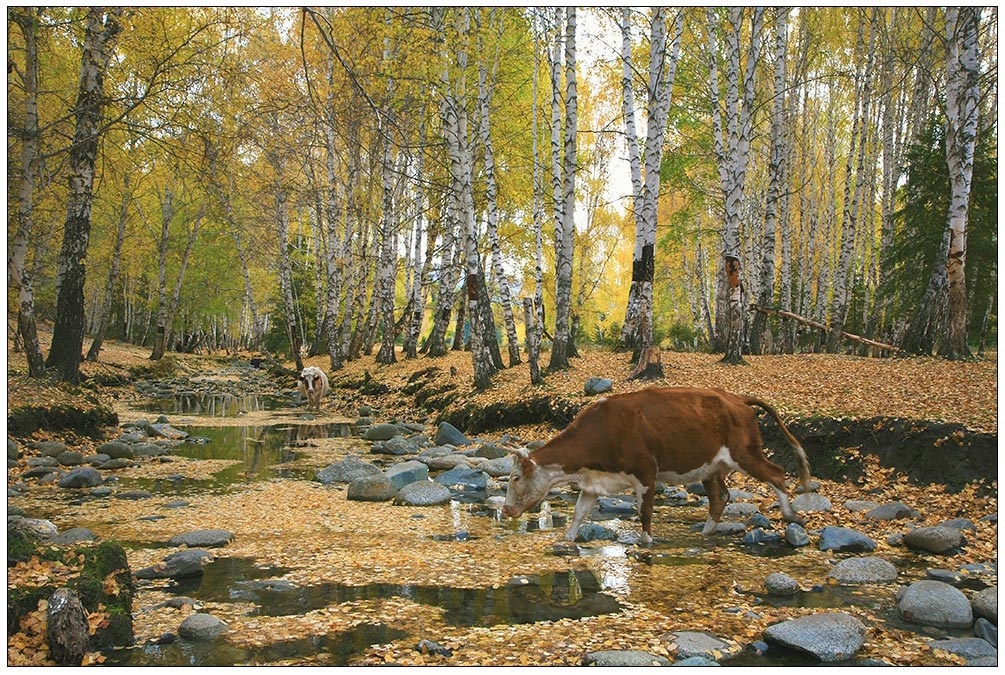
(831, 636)
(691, 644)
(446, 462)
(202, 538)
(42, 461)
(727, 528)
(985, 604)
(376, 488)
(739, 511)
(431, 647)
(968, 648)
(398, 445)
(402, 474)
(133, 495)
(863, 571)
(81, 477)
(97, 460)
(695, 662)
(501, 466)
(112, 464)
(760, 521)
(616, 505)
(759, 536)
(594, 532)
(13, 452)
(811, 502)
(624, 659)
(70, 458)
(781, 584)
(597, 385)
(490, 451)
(51, 448)
(201, 627)
(116, 450)
(843, 539)
(447, 433)
(346, 471)
(892, 511)
(986, 630)
(423, 493)
(934, 539)
(933, 603)
(463, 479)
(857, 505)
(959, 524)
(179, 565)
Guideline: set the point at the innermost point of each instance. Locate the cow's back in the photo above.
(681, 428)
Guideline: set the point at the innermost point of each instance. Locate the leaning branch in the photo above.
(822, 326)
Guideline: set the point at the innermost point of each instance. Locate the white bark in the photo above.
(565, 229)
(962, 112)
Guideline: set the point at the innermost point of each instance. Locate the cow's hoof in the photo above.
(646, 540)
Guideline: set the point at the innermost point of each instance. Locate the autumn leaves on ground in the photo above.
(319, 537)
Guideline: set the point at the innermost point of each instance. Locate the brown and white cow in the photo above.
(630, 441)
(313, 385)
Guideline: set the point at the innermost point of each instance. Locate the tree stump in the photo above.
(66, 628)
(650, 366)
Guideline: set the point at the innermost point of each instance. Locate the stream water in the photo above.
(263, 453)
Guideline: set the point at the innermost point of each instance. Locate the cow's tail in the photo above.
(804, 464)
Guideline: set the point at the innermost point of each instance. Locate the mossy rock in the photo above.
(99, 562)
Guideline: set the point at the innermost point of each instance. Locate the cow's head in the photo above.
(308, 376)
(528, 484)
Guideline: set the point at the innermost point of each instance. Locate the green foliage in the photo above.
(921, 222)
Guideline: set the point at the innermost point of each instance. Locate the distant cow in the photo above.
(313, 384)
(632, 440)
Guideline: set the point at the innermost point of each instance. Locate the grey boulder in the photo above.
(843, 539)
(201, 627)
(402, 474)
(969, 648)
(863, 571)
(934, 603)
(692, 644)
(781, 584)
(501, 466)
(831, 636)
(892, 511)
(448, 434)
(423, 493)
(597, 385)
(810, 502)
(116, 450)
(382, 432)
(936, 539)
(346, 471)
(74, 535)
(178, 565)
(376, 488)
(985, 604)
(202, 538)
(628, 658)
(81, 477)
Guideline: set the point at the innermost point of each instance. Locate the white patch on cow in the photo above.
(709, 526)
(601, 399)
(721, 461)
(604, 483)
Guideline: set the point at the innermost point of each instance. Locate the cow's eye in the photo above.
(516, 478)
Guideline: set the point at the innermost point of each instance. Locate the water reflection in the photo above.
(214, 405)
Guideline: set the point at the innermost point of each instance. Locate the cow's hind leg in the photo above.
(645, 492)
(584, 505)
(765, 470)
(718, 495)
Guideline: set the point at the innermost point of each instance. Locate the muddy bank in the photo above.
(927, 452)
(91, 422)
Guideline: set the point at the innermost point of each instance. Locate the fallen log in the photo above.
(822, 326)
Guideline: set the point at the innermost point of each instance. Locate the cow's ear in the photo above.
(527, 466)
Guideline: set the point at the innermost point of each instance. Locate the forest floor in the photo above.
(319, 538)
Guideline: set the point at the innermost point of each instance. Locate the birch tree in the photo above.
(17, 269)
(105, 310)
(760, 332)
(732, 154)
(455, 131)
(485, 86)
(637, 330)
(68, 330)
(565, 227)
(962, 112)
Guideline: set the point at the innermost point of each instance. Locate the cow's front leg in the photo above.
(646, 500)
(718, 495)
(584, 505)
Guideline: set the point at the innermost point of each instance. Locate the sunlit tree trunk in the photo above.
(850, 222)
(565, 229)
(732, 155)
(388, 252)
(104, 313)
(484, 98)
(68, 331)
(535, 323)
(436, 344)
(168, 307)
(17, 267)
(761, 330)
(637, 332)
(962, 112)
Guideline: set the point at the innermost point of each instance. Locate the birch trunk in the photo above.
(420, 279)
(733, 155)
(455, 130)
(437, 345)
(17, 267)
(962, 112)
(113, 276)
(484, 99)
(388, 252)
(842, 278)
(760, 333)
(560, 349)
(536, 325)
(167, 309)
(285, 269)
(68, 330)
(638, 330)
